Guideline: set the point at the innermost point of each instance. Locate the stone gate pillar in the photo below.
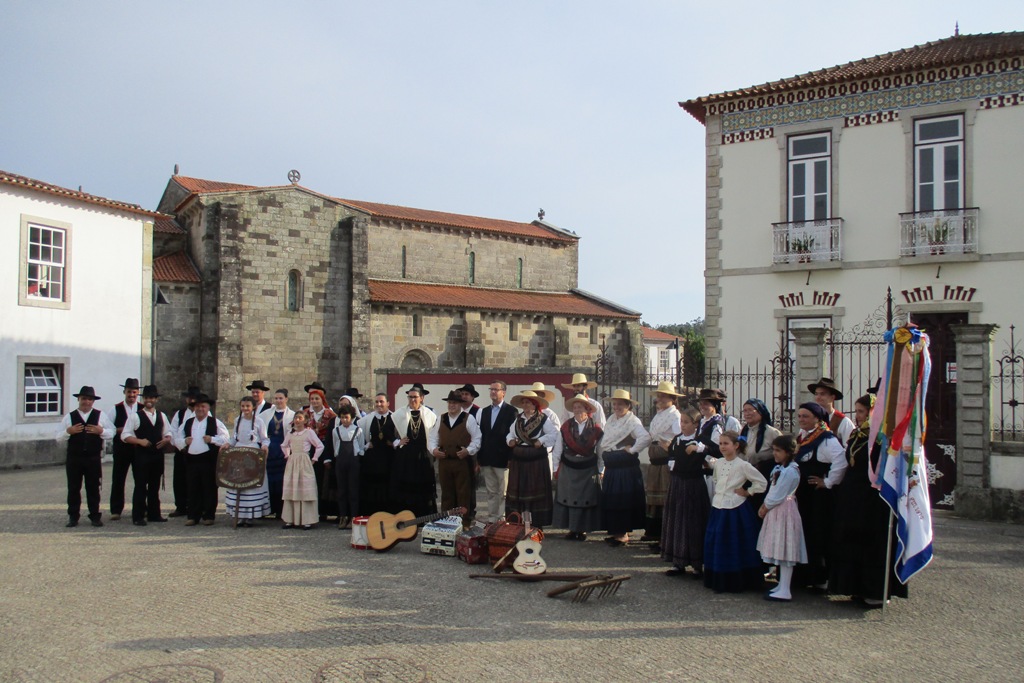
(809, 361)
(973, 493)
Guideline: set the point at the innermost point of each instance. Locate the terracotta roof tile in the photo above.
(199, 186)
(49, 188)
(168, 225)
(175, 267)
(457, 220)
(573, 303)
(657, 335)
(961, 49)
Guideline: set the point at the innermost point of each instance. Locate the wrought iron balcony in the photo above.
(808, 241)
(935, 233)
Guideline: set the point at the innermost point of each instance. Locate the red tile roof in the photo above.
(405, 213)
(198, 186)
(657, 335)
(40, 186)
(168, 225)
(573, 303)
(960, 49)
(175, 267)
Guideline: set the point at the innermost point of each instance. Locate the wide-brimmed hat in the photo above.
(582, 400)
(469, 388)
(539, 389)
(203, 398)
(667, 388)
(258, 384)
(707, 394)
(314, 385)
(826, 383)
(353, 392)
(518, 399)
(622, 395)
(87, 392)
(418, 387)
(150, 391)
(192, 392)
(580, 378)
(454, 396)
(131, 383)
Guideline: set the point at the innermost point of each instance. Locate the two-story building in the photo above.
(76, 302)
(826, 189)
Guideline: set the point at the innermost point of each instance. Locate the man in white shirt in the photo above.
(826, 393)
(580, 384)
(258, 390)
(85, 430)
(179, 476)
(454, 442)
(201, 437)
(123, 453)
(148, 431)
(495, 422)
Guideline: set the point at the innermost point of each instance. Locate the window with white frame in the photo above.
(44, 263)
(663, 361)
(939, 163)
(810, 177)
(43, 390)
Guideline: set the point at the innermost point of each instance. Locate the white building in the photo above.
(662, 351)
(899, 171)
(76, 306)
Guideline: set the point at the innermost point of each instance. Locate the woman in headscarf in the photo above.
(622, 496)
(278, 429)
(529, 470)
(319, 417)
(822, 463)
(757, 437)
(578, 498)
(861, 523)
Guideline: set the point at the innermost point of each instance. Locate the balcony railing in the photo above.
(808, 241)
(934, 233)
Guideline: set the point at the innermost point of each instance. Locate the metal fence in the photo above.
(1008, 391)
(770, 381)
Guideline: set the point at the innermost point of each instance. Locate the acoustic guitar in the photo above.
(384, 530)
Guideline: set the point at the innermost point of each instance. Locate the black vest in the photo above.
(211, 430)
(120, 420)
(149, 431)
(86, 445)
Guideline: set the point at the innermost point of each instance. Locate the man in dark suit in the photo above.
(495, 422)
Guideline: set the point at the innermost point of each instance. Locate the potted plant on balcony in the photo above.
(802, 247)
(938, 235)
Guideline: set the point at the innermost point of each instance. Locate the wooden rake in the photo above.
(608, 585)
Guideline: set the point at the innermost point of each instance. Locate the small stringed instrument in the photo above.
(528, 559)
(384, 530)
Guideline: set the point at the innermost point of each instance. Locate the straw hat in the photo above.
(666, 388)
(517, 400)
(581, 399)
(580, 378)
(713, 395)
(540, 390)
(622, 395)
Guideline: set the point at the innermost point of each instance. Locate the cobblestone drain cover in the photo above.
(170, 673)
(375, 669)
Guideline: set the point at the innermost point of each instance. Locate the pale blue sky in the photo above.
(485, 108)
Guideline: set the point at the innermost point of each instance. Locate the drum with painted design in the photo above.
(359, 539)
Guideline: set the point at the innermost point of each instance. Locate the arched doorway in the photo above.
(416, 360)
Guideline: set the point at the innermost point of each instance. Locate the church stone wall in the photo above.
(176, 342)
(441, 255)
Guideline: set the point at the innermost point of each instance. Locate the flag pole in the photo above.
(888, 561)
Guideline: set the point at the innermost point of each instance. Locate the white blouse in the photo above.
(665, 424)
(618, 428)
(733, 474)
(250, 433)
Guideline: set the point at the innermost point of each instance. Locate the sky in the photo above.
(494, 109)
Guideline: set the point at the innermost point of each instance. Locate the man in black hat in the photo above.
(826, 393)
(149, 431)
(179, 475)
(123, 453)
(468, 392)
(454, 442)
(85, 430)
(201, 437)
(258, 390)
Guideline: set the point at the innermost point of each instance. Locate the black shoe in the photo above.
(675, 571)
(581, 536)
(158, 519)
(571, 536)
(139, 522)
(96, 522)
(288, 526)
(177, 513)
(71, 522)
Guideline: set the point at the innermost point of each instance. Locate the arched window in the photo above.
(294, 293)
(593, 334)
(403, 262)
(472, 267)
(519, 273)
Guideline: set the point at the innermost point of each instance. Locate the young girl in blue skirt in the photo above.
(731, 561)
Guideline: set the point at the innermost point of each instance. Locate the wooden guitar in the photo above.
(528, 559)
(384, 530)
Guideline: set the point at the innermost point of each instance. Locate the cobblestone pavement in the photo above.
(176, 604)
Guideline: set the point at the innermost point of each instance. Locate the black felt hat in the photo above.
(87, 392)
(314, 385)
(418, 387)
(353, 392)
(258, 384)
(203, 398)
(150, 391)
(131, 383)
(470, 388)
(826, 383)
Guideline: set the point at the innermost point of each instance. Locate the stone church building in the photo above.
(289, 285)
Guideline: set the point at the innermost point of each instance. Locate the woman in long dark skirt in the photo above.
(687, 505)
(375, 473)
(623, 499)
(578, 495)
(529, 469)
(861, 524)
(279, 426)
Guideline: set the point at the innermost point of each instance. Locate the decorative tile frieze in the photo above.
(748, 135)
(874, 117)
(1002, 101)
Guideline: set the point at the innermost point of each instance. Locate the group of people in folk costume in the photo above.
(720, 501)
